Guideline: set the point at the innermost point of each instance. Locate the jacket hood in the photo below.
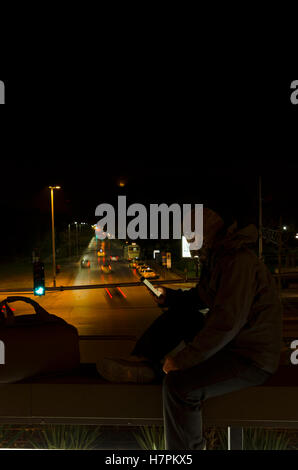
(236, 239)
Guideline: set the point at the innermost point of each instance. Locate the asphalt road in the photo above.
(124, 311)
(115, 311)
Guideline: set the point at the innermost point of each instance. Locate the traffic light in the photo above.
(38, 278)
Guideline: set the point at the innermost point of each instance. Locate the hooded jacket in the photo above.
(245, 313)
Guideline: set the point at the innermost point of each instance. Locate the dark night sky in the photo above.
(178, 129)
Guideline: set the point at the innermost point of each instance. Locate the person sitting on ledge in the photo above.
(235, 345)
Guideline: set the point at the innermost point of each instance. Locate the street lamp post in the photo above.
(69, 242)
(260, 220)
(53, 233)
(77, 239)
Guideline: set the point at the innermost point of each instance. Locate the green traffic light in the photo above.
(39, 291)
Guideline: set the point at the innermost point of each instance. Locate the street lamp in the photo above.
(53, 232)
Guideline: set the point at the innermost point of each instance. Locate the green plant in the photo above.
(211, 437)
(8, 436)
(66, 437)
(151, 438)
(258, 439)
(261, 439)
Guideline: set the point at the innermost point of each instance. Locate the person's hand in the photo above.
(162, 298)
(169, 365)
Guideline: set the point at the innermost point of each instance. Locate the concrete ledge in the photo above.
(86, 398)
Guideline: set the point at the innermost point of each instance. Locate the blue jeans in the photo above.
(185, 390)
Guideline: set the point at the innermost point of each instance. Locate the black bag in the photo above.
(35, 344)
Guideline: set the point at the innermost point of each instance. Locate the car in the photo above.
(85, 263)
(149, 274)
(114, 258)
(101, 252)
(106, 268)
(142, 268)
(136, 263)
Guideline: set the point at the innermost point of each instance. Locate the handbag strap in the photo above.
(40, 311)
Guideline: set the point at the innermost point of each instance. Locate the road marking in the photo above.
(4, 308)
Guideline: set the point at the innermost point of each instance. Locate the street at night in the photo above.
(115, 311)
(149, 256)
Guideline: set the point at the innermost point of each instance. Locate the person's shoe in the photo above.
(125, 370)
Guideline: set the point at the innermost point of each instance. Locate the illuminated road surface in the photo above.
(123, 311)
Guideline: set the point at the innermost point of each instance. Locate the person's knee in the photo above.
(175, 387)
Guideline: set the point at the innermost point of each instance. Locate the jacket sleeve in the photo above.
(227, 316)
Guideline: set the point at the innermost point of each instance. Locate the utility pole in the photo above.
(80, 237)
(77, 239)
(260, 220)
(53, 233)
(279, 254)
(69, 242)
